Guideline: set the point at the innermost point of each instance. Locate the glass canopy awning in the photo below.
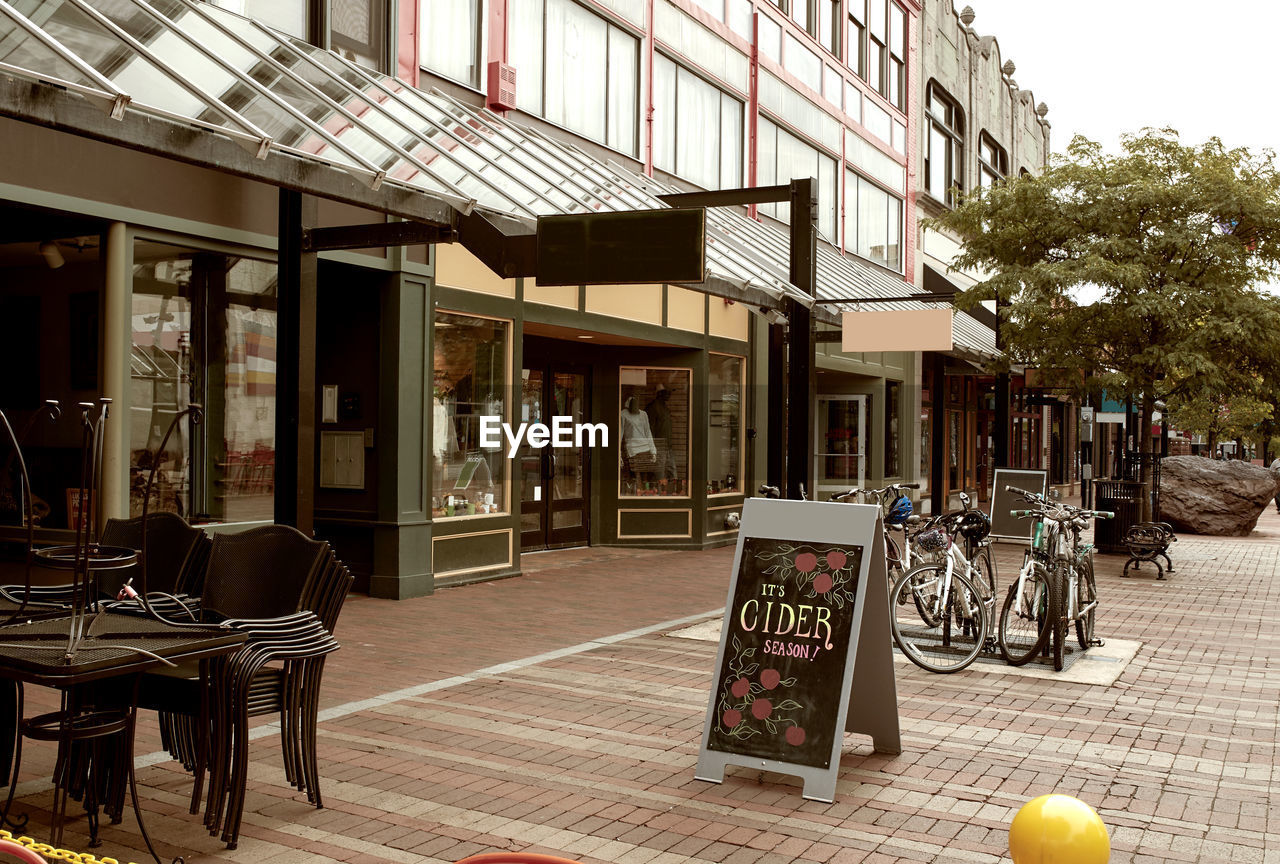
(194, 65)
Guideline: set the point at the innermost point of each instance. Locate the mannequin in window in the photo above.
(638, 451)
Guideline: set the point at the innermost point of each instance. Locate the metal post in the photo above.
(776, 421)
(938, 440)
(295, 365)
(801, 375)
(1000, 438)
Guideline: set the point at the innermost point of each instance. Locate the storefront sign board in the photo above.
(625, 248)
(1003, 525)
(805, 651)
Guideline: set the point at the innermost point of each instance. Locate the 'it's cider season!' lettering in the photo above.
(776, 616)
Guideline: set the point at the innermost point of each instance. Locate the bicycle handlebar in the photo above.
(1024, 493)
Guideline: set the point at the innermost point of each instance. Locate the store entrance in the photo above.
(554, 480)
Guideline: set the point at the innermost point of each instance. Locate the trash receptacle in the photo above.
(1124, 498)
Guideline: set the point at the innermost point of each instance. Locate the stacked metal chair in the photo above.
(176, 556)
(285, 592)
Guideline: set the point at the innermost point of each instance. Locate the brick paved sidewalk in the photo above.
(551, 712)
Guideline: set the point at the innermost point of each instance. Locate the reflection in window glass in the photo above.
(358, 31)
(449, 39)
(654, 432)
(724, 443)
(189, 305)
(470, 382)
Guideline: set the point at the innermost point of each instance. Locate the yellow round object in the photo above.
(1058, 829)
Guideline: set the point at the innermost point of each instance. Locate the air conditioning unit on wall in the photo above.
(502, 86)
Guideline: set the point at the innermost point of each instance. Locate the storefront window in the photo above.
(470, 382)
(724, 444)
(204, 330)
(654, 432)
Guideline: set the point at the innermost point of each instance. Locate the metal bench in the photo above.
(1148, 541)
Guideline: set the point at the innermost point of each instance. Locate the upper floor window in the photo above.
(449, 39)
(575, 69)
(944, 147)
(877, 47)
(872, 222)
(358, 31)
(697, 128)
(782, 157)
(287, 16)
(993, 161)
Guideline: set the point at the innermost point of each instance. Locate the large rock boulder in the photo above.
(1205, 496)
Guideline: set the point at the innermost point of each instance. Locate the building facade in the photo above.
(977, 127)
(345, 387)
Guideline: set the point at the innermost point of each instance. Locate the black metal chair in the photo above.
(176, 555)
(285, 592)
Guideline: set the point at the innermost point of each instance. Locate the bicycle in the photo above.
(898, 516)
(1055, 585)
(957, 593)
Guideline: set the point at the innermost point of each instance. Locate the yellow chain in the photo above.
(56, 854)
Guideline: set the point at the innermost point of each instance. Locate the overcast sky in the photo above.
(1105, 67)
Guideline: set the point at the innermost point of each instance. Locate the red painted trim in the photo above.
(407, 64)
(753, 108)
(648, 89)
(498, 32)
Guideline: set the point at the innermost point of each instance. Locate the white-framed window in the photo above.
(576, 69)
(782, 157)
(873, 222)
(449, 39)
(944, 145)
(697, 128)
(993, 161)
(879, 33)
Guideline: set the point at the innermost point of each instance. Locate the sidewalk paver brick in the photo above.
(552, 713)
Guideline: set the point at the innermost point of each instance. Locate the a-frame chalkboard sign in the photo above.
(805, 651)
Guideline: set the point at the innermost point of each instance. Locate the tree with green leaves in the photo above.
(1173, 238)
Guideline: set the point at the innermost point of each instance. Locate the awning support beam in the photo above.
(794, 413)
(374, 235)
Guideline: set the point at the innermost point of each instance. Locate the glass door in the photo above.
(841, 446)
(553, 508)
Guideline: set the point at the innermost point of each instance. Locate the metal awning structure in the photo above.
(157, 73)
(192, 82)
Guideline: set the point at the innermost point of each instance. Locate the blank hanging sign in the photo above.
(898, 330)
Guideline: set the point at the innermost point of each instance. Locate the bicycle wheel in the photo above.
(892, 559)
(927, 583)
(1057, 616)
(1086, 593)
(985, 565)
(1024, 617)
(941, 647)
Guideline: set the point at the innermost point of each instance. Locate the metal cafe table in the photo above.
(95, 659)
